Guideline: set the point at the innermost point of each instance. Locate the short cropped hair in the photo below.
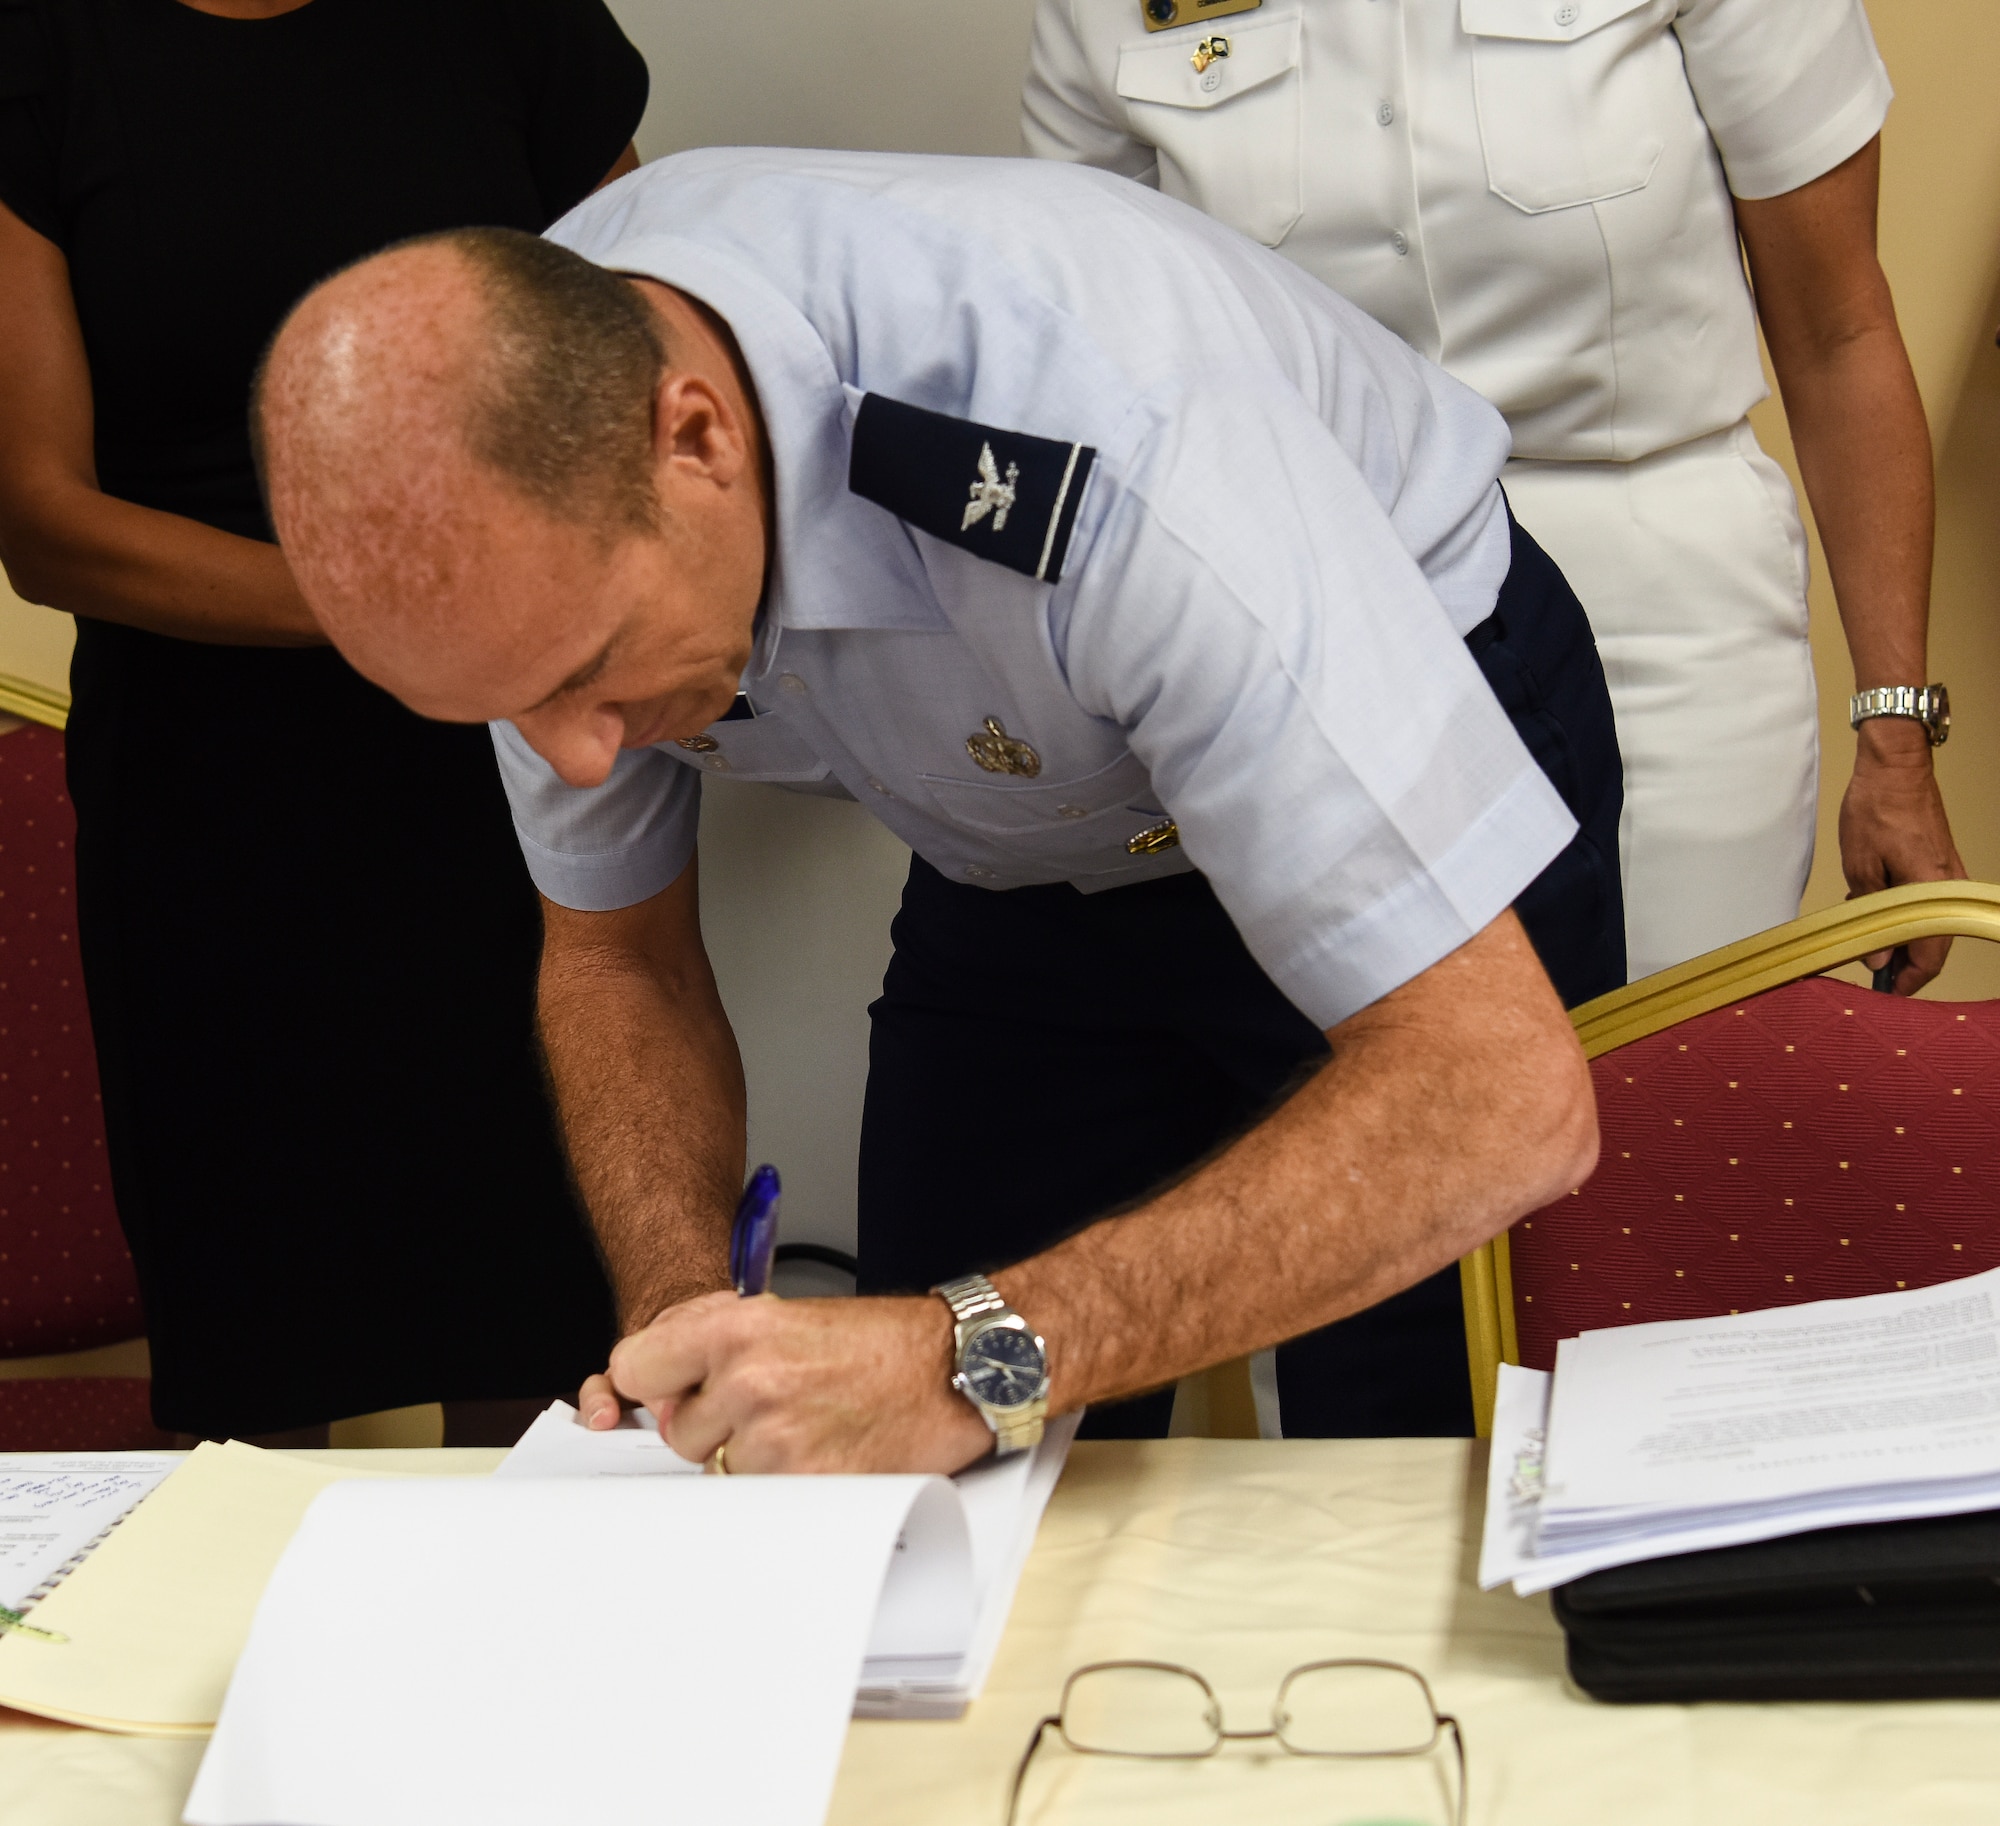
(564, 405)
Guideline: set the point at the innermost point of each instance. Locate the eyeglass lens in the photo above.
(1355, 1710)
(1133, 1709)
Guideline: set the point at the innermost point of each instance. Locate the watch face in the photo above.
(1003, 1368)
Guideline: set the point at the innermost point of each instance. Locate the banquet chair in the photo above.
(1769, 1135)
(66, 1281)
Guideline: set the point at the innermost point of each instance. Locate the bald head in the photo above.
(491, 485)
(408, 397)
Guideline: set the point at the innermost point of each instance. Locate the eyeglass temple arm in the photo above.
(1458, 1744)
(1028, 1756)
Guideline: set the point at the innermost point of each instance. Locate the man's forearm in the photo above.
(649, 1088)
(1418, 1140)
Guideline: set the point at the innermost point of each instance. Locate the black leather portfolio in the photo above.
(1887, 1610)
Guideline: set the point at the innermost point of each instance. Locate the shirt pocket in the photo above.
(1572, 95)
(1082, 825)
(1228, 135)
(752, 748)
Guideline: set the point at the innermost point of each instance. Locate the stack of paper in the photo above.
(918, 1664)
(596, 1647)
(1665, 1438)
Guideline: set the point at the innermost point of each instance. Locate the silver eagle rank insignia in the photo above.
(1018, 509)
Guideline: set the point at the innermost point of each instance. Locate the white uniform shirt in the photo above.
(1534, 193)
(1288, 524)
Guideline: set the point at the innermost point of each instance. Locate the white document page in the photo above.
(929, 1651)
(1514, 1475)
(1509, 1547)
(54, 1505)
(1004, 1500)
(558, 1444)
(1775, 1410)
(565, 1652)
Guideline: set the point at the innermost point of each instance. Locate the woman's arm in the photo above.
(623, 165)
(65, 542)
(1865, 454)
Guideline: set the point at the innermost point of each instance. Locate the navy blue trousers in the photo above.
(1041, 1057)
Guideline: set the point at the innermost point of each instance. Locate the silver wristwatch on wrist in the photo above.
(1929, 705)
(999, 1364)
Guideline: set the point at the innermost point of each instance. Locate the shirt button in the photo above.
(876, 786)
(976, 873)
(1566, 14)
(1400, 242)
(718, 763)
(790, 681)
(1073, 811)
(1386, 113)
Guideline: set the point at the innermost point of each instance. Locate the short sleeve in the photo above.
(587, 87)
(1789, 88)
(1337, 765)
(28, 118)
(598, 848)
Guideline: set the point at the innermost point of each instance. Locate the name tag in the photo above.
(1164, 15)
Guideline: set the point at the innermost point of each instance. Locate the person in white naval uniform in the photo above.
(1166, 605)
(1546, 196)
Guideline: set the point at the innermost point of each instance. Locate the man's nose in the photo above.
(581, 746)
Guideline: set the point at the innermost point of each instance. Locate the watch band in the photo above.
(973, 1297)
(970, 1297)
(1929, 705)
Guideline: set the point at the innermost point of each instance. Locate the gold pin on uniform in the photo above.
(999, 753)
(697, 744)
(1155, 839)
(1206, 52)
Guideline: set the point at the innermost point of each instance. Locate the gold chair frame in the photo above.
(22, 697)
(1768, 960)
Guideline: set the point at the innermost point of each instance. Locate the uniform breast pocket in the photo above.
(1082, 825)
(754, 748)
(1574, 96)
(1227, 132)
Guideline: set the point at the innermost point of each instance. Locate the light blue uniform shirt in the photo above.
(1290, 523)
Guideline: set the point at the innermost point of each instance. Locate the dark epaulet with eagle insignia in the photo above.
(1002, 495)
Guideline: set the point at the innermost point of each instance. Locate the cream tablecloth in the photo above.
(1243, 1558)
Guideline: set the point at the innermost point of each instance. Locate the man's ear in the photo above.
(696, 433)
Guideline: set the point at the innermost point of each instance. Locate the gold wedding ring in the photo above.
(721, 1460)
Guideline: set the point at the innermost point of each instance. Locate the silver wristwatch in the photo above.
(998, 1363)
(1929, 705)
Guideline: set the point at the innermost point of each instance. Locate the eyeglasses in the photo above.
(1160, 1711)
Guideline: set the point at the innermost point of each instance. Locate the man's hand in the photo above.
(1893, 829)
(799, 1385)
(1447, 1109)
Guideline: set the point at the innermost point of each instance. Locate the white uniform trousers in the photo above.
(1692, 566)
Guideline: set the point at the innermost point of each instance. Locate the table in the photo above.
(1243, 1558)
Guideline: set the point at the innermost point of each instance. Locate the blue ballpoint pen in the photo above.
(753, 1238)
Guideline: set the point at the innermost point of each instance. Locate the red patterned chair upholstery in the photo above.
(1769, 1136)
(66, 1281)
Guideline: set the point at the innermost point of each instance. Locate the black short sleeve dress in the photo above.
(307, 932)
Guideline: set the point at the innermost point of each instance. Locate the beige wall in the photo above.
(799, 891)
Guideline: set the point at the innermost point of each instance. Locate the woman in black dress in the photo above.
(307, 933)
